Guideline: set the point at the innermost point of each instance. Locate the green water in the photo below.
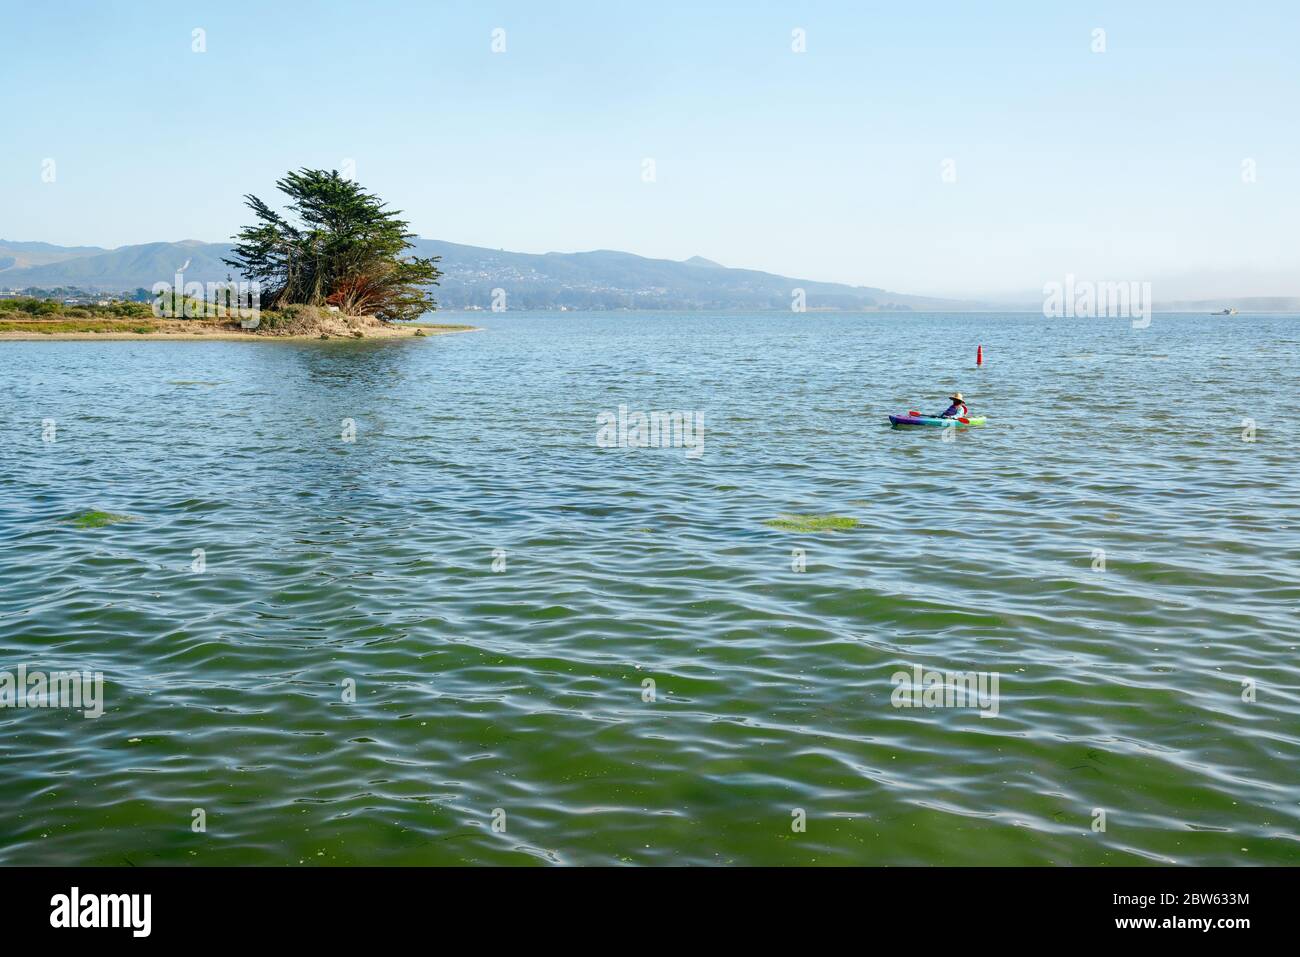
(517, 695)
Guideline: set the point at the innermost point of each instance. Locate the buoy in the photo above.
(979, 355)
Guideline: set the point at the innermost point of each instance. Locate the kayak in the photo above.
(935, 420)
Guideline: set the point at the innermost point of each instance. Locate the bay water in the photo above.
(392, 602)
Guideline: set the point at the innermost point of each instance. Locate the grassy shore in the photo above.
(37, 319)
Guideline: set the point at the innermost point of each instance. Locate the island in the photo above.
(333, 264)
(34, 319)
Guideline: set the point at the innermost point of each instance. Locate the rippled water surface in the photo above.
(524, 688)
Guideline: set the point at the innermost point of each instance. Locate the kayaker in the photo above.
(958, 408)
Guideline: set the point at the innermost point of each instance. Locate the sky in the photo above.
(945, 148)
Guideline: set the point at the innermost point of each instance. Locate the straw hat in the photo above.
(956, 397)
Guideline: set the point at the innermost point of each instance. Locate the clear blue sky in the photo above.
(823, 165)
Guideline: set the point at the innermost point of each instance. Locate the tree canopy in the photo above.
(336, 245)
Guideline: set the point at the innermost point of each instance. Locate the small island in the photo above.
(39, 319)
(334, 264)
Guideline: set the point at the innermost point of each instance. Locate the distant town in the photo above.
(73, 296)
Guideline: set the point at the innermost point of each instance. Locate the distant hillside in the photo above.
(23, 255)
(120, 269)
(593, 280)
(605, 279)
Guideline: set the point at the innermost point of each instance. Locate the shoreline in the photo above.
(229, 335)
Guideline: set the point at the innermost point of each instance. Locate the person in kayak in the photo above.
(958, 408)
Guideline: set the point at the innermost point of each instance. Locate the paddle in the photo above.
(920, 415)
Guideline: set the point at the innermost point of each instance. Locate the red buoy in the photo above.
(979, 355)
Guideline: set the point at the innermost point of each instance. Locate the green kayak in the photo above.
(935, 420)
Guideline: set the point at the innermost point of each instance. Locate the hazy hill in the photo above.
(116, 270)
(22, 255)
(603, 279)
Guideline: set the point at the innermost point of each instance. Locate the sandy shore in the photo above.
(186, 332)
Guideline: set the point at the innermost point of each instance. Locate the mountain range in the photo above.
(603, 279)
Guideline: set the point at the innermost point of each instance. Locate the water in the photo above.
(329, 562)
